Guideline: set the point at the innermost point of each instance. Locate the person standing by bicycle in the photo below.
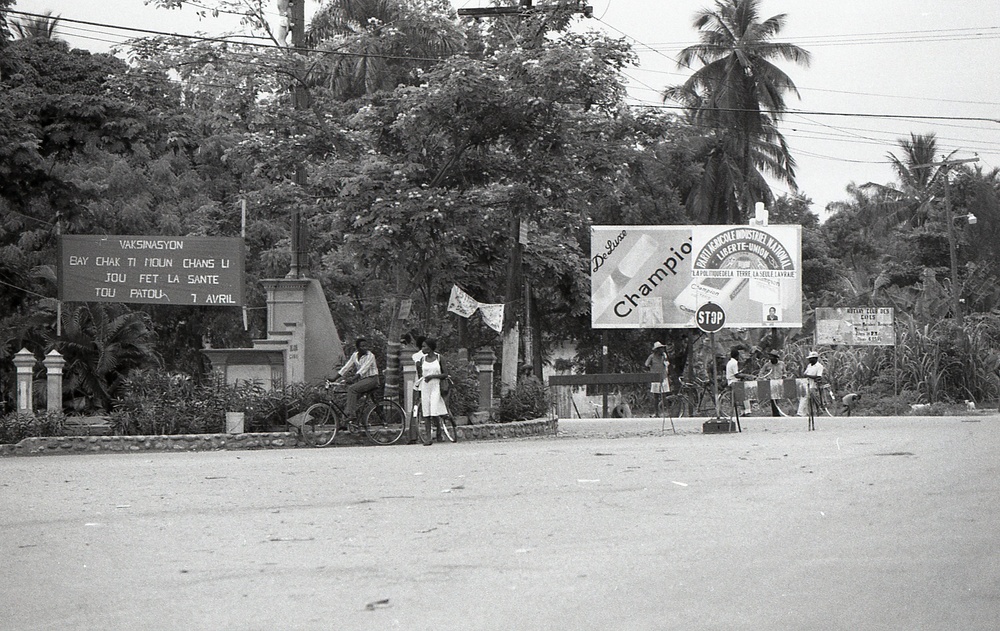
(659, 364)
(361, 372)
(814, 373)
(432, 403)
(773, 369)
(418, 358)
(733, 375)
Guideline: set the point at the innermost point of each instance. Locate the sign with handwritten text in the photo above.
(204, 271)
(856, 326)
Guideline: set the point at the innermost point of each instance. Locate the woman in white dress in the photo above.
(432, 405)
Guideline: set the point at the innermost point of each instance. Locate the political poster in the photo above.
(658, 276)
(856, 326)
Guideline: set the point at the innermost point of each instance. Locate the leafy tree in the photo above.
(737, 97)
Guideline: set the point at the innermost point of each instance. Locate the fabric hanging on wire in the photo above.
(493, 316)
(462, 303)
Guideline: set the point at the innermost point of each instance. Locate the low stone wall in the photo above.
(221, 442)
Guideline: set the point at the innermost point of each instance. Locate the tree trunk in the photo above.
(511, 328)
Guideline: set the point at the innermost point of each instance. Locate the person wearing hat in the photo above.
(658, 363)
(773, 369)
(814, 373)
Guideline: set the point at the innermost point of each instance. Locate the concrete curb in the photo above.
(235, 442)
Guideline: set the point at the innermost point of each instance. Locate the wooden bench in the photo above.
(767, 389)
(604, 380)
(87, 426)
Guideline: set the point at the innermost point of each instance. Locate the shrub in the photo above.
(528, 400)
(16, 426)
(463, 398)
(156, 403)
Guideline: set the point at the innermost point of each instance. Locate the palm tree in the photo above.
(911, 201)
(738, 97)
(101, 344)
(377, 44)
(42, 27)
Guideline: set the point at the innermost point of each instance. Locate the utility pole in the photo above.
(300, 101)
(956, 292)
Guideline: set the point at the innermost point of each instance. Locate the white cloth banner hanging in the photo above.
(493, 316)
(462, 303)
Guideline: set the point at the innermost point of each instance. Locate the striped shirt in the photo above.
(365, 366)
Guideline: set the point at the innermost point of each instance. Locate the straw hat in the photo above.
(812, 354)
(657, 345)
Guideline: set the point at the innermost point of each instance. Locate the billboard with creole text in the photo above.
(204, 271)
(658, 276)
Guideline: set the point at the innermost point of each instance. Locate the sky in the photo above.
(880, 70)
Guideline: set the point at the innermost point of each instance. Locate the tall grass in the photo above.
(931, 363)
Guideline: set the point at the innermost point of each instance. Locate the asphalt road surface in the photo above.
(864, 524)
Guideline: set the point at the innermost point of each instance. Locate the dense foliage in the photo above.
(420, 142)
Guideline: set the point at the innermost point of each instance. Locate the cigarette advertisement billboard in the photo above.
(658, 276)
(205, 271)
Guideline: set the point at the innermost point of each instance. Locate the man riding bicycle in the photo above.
(814, 373)
(361, 372)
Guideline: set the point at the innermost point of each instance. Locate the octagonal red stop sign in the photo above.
(710, 317)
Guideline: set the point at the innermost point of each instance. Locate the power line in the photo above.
(847, 92)
(734, 110)
(955, 34)
(225, 40)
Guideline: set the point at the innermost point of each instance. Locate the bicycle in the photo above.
(820, 395)
(445, 424)
(697, 398)
(382, 420)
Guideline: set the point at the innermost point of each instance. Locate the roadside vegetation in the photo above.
(424, 145)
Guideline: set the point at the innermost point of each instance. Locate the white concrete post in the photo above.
(53, 363)
(24, 360)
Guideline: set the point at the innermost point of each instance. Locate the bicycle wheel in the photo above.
(448, 428)
(385, 422)
(827, 401)
(679, 406)
(425, 430)
(726, 409)
(814, 408)
(319, 426)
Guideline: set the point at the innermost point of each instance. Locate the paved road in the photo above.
(864, 524)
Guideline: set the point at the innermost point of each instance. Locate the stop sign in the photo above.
(710, 317)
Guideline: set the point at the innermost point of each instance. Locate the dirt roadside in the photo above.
(617, 524)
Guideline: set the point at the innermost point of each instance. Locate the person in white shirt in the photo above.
(362, 373)
(814, 373)
(733, 375)
(433, 407)
(418, 358)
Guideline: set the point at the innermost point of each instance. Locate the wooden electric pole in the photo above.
(300, 101)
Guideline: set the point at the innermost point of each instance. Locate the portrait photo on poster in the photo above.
(772, 313)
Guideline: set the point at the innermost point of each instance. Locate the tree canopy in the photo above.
(423, 136)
